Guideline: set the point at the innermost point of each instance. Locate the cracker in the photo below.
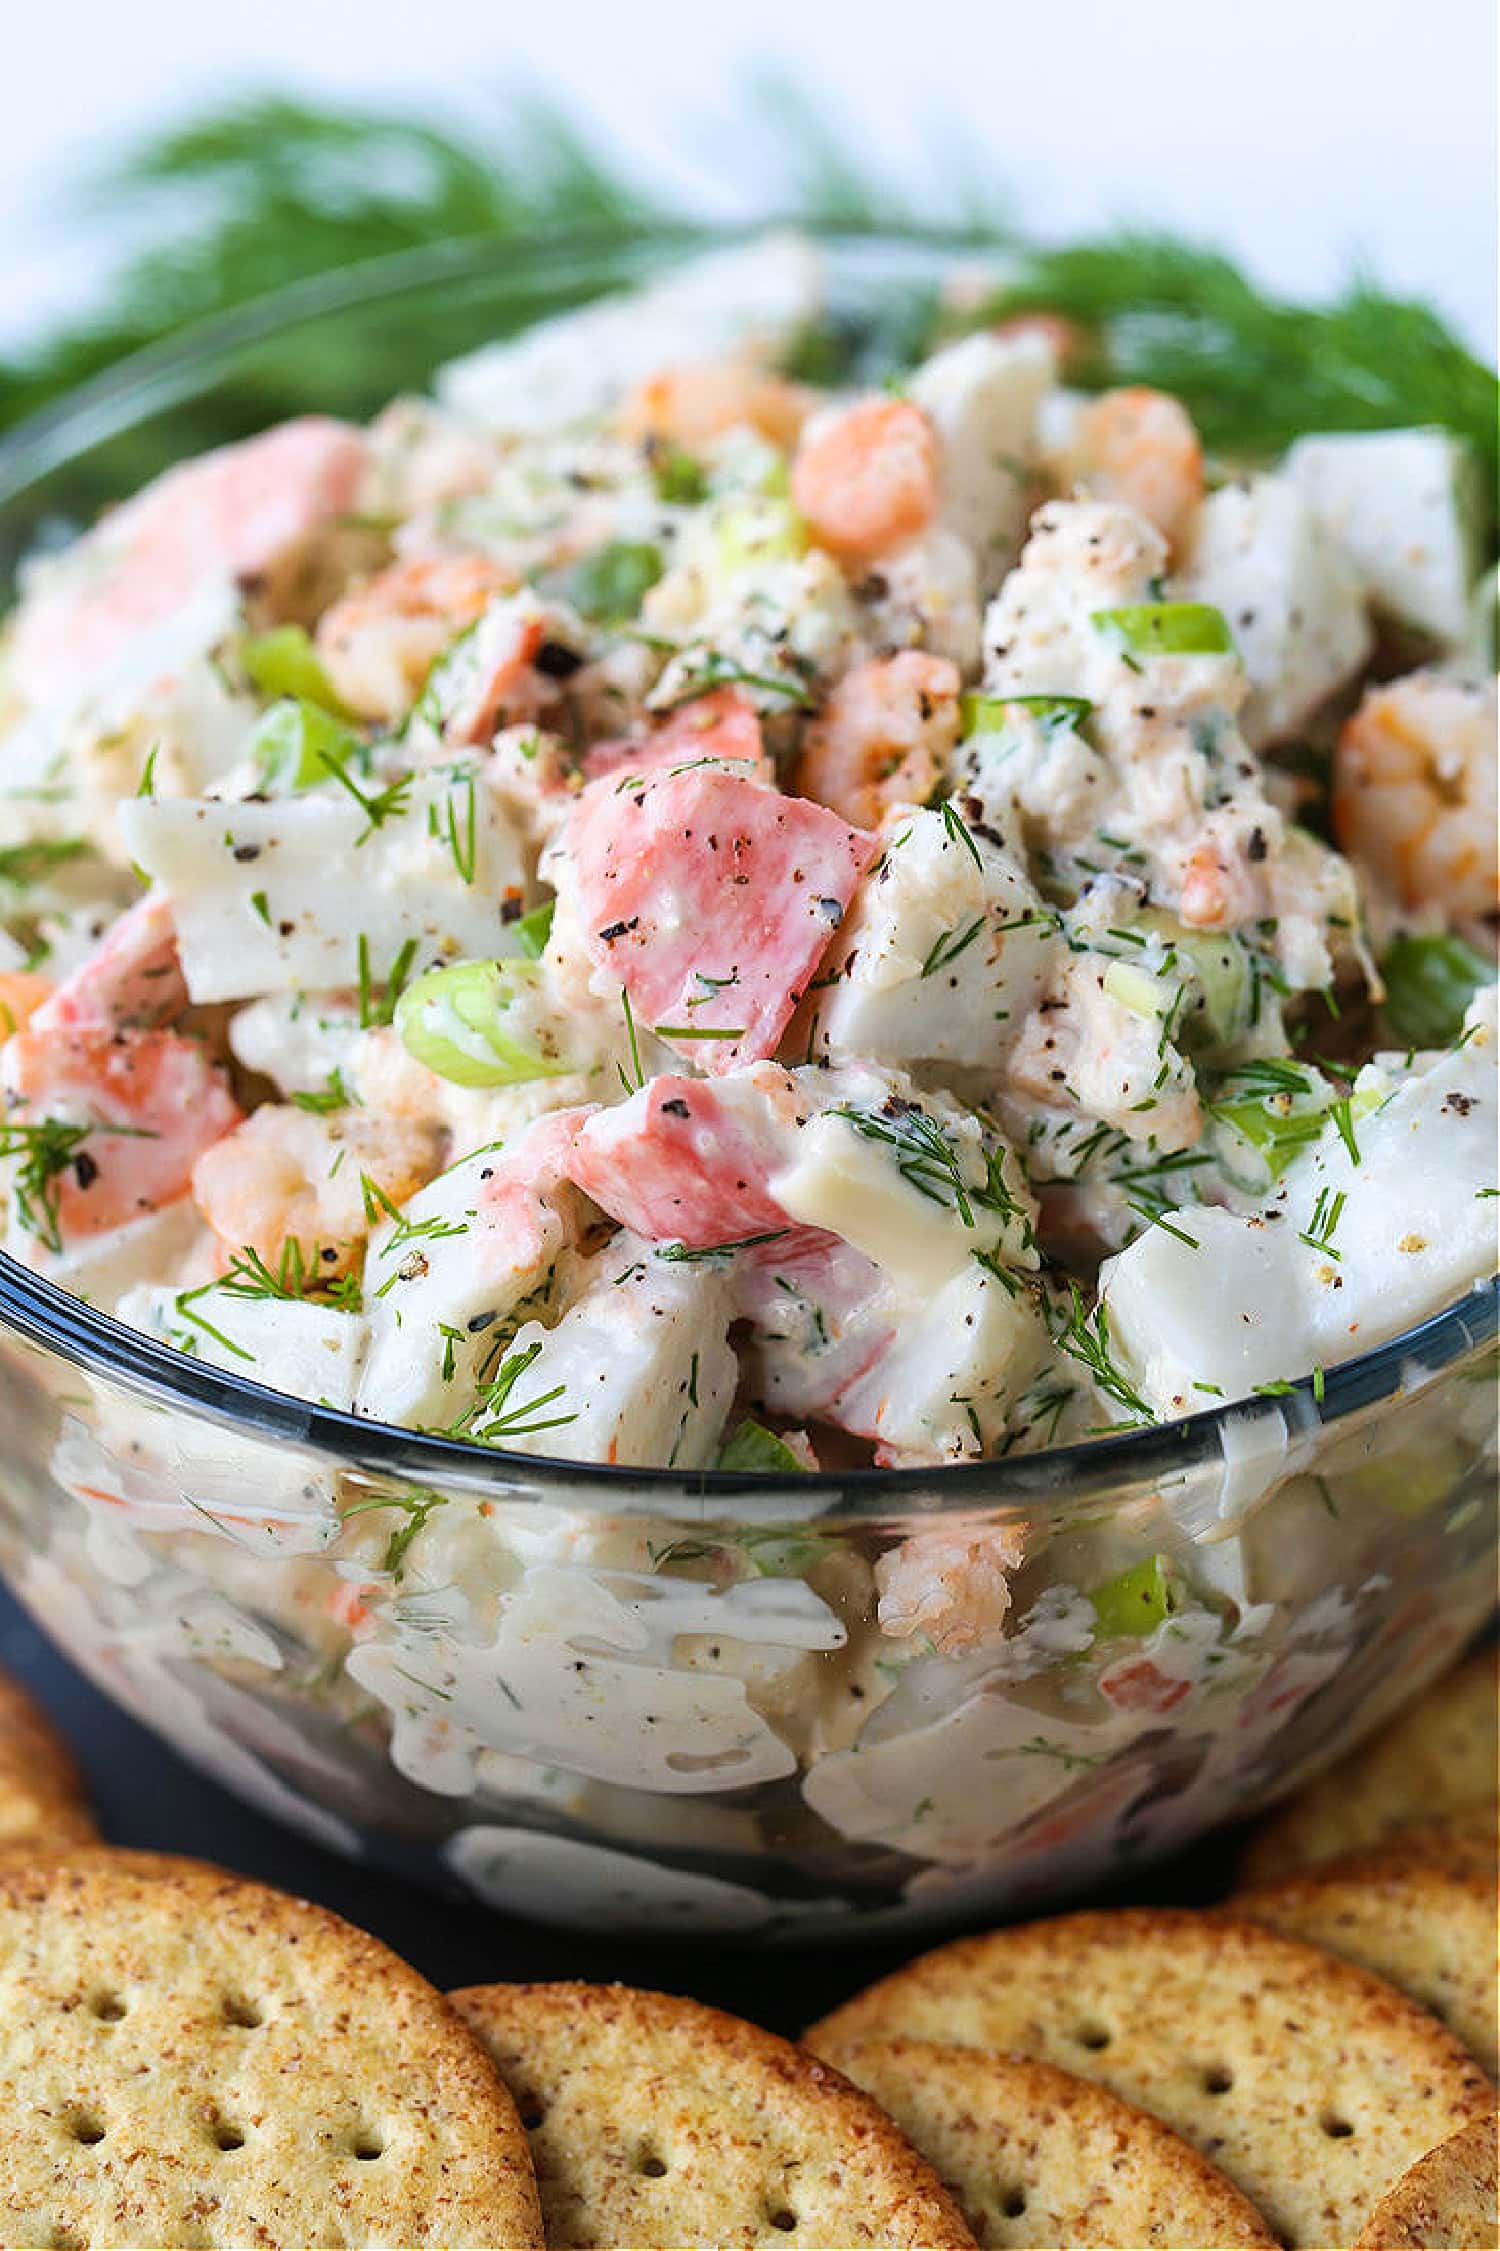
(187, 2058)
(1035, 2155)
(1426, 1928)
(1438, 1761)
(1447, 2202)
(41, 1796)
(1312, 2084)
(659, 2121)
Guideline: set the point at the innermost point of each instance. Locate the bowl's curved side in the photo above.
(703, 1702)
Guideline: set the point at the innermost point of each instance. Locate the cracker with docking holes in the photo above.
(187, 2058)
(1036, 2155)
(42, 1806)
(659, 2121)
(1447, 2202)
(1311, 2083)
(1425, 1928)
(1438, 1761)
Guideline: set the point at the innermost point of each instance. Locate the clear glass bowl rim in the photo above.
(45, 1315)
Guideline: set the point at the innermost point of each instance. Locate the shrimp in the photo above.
(227, 514)
(690, 406)
(1139, 447)
(954, 1587)
(290, 1176)
(22, 993)
(152, 1103)
(1221, 888)
(867, 481)
(1414, 793)
(132, 978)
(883, 738)
(379, 642)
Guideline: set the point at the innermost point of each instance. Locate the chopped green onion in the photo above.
(985, 715)
(453, 1021)
(752, 1447)
(608, 586)
(296, 745)
(284, 662)
(1167, 629)
(533, 930)
(757, 530)
(1429, 983)
(1136, 1601)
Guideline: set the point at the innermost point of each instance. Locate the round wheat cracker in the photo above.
(1037, 2155)
(42, 1805)
(1427, 1929)
(1447, 2202)
(1437, 1761)
(1312, 2084)
(187, 2058)
(655, 2120)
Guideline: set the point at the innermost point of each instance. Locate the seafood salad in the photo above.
(649, 910)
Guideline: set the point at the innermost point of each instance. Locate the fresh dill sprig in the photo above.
(1320, 1230)
(332, 1095)
(927, 1160)
(46, 1148)
(1084, 1337)
(949, 944)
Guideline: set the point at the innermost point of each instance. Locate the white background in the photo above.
(1307, 135)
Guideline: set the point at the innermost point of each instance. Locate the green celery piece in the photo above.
(1167, 629)
(608, 586)
(752, 1447)
(1222, 968)
(1277, 1135)
(1429, 983)
(1136, 1601)
(284, 662)
(533, 930)
(295, 743)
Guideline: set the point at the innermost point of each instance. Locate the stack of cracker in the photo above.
(187, 2058)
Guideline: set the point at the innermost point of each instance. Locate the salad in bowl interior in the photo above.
(753, 1116)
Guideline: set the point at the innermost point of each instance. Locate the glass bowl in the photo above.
(669, 1702)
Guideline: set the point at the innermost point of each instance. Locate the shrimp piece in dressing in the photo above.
(1414, 793)
(867, 480)
(954, 1587)
(379, 642)
(883, 738)
(691, 406)
(293, 1176)
(1139, 447)
(154, 1104)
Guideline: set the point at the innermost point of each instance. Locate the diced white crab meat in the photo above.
(638, 1371)
(918, 1185)
(1343, 1255)
(1292, 599)
(961, 1357)
(1403, 504)
(982, 395)
(446, 1284)
(293, 1345)
(258, 909)
(941, 955)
